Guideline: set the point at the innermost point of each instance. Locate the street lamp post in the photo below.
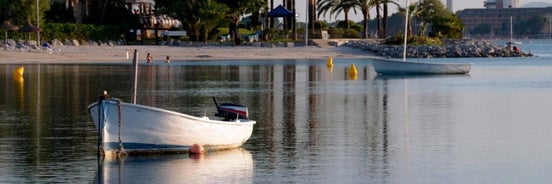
(307, 23)
(37, 24)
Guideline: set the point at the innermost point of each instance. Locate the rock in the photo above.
(68, 43)
(75, 42)
(450, 48)
(84, 42)
(56, 42)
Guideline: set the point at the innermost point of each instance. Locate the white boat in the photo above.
(133, 128)
(512, 41)
(397, 67)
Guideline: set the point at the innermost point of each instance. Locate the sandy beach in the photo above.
(118, 54)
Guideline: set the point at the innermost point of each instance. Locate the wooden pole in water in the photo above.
(135, 74)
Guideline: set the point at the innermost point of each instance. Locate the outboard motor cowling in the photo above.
(230, 111)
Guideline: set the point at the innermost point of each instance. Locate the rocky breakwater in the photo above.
(449, 49)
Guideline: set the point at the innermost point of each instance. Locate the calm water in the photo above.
(315, 125)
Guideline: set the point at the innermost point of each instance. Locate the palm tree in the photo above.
(337, 6)
(312, 15)
(79, 9)
(210, 15)
(382, 24)
(386, 16)
(378, 17)
(412, 11)
(365, 6)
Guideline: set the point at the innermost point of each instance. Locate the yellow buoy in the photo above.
(330, 62)
(18, 73)
(353, 72)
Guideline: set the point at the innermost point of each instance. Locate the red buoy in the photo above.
(197, 149)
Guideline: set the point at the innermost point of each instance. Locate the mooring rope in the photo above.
(121, 151)
(103, 110)
(99, 127)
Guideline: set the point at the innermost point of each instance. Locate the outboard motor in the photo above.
(230, 111)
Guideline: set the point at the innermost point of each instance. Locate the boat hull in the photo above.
(397, 67)
(144, 129)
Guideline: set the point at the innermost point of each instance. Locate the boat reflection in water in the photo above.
(232, 166)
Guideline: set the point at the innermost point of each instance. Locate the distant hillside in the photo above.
(536, 5)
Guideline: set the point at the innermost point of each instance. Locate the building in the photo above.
(499, 4)
(499, 18)
(449, 5)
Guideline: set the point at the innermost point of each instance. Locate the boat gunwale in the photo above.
(421, 62)
(204, 119)
(460, 68)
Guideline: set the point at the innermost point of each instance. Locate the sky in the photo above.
(457, 5)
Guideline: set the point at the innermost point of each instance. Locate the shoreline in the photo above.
(342, 49)
(118, 54)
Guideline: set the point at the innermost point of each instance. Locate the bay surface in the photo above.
(314, 124)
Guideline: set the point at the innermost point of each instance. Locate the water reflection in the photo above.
(230, 166)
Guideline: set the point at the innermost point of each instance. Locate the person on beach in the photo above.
(168, 60)
(149, 58)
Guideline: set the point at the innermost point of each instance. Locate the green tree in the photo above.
(239, 8)
(184, 10)
(386, 15)
(59, 13)
(448, 26)
(384, 22)
(429, 11)
(365, 6)
(211, 15)
(108, 12)
(19, 11)
(335, 7)
(412, 11)
(443, 22)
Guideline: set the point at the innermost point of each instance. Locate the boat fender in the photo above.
(197, 149)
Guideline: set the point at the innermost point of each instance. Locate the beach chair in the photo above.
(34, 48)
(47, 47)
(225, 38)
(22, 47)
(9, 46)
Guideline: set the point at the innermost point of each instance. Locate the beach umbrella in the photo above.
(6, 26)
(280, 11)
(29, 28)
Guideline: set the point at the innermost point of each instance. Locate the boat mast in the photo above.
(135, 76)
(511, 28)
(405, 29)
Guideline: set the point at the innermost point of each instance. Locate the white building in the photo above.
(499, 4)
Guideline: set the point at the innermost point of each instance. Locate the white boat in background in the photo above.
(397, 67)
(127, 128)
(512, 41)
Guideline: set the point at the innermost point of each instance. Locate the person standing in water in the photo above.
(168, 60)
(149, 58)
